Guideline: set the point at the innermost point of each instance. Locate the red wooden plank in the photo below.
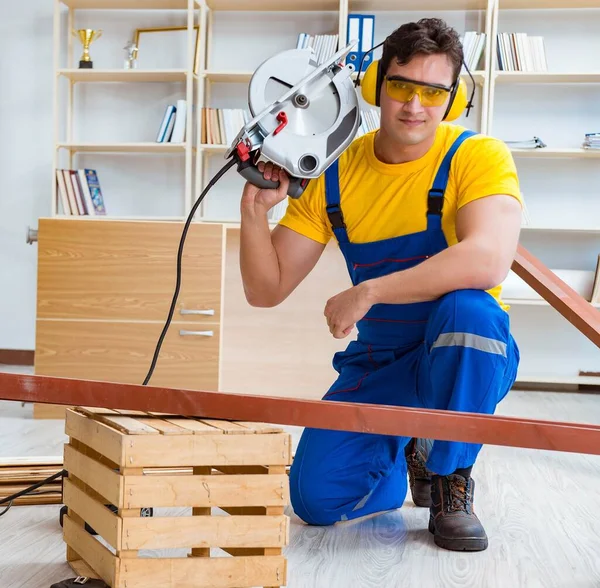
(363, 418)
(571, 305)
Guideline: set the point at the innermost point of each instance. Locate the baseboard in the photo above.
(16, 356)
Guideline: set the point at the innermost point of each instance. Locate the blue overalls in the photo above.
(454, 353)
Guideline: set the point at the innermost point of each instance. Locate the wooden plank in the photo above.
(208, 531)
(100, 437)
(445, 425)
(262, 428)
(570, 304)
(207, 450)
(165, 427)
(105, 522)
(127, 425)
(96, 555)
(103, 480)
(33, 460)
(197, 490)
(215, 572)
(93, 411)
(196, 427)
(227, 427)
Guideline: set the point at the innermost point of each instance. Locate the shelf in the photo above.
(109, 217)
(127, 4)
(531, 302)
(546, 4)
(244, 77)
(420, 5)
(542, 77)
(124, 75)
(553, 153)
(589, 230)
(214, 148)
(124, 147)
(274, 5)
(230, 77)
(574, 380)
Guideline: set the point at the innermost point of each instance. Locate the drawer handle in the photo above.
(195, 311)
(184, 333)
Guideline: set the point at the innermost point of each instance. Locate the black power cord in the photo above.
(210, 184)
(186, 227)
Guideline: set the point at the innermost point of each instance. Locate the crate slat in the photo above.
(214, 572)
(205, 531)
(234, 490)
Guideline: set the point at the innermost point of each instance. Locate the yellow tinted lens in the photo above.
(404, 92)
(400, 91)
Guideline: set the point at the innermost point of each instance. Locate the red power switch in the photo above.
(243, 151)
(282, 119)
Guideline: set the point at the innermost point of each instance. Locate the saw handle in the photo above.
(251, 173)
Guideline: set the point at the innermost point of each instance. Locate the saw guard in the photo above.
(276, 132)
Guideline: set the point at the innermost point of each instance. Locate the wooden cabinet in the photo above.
(103, 296)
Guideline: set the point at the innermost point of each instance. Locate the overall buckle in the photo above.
(435, 201)
(335, 216)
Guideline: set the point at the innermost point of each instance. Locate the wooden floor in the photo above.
(541, 511)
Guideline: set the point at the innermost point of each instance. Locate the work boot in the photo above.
(452, 520)
(419, 476)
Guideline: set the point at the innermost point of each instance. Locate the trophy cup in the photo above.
(131, 58)
(86, 36)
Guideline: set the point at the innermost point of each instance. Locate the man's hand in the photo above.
(258, 201)
(345, 309)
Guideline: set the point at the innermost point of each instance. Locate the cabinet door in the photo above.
(123, 351)
(126, 270)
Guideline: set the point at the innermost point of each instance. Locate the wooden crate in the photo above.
(227, 478)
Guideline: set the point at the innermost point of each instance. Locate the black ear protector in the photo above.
(373, 79)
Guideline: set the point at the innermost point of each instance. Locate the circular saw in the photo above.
(304, 115)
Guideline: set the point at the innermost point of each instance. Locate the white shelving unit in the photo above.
(107, 118)
(559, 182)
(121, 111)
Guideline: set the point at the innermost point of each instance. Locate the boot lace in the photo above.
(458, 494)
(416, 465)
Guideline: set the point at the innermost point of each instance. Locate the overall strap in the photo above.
(332, 197)
(435, 199)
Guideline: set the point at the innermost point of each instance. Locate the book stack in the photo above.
(369, 121)
(591, 141)
(172, 127)
(79, 192)
(473, 44)
(521, 52)
(220, 126)
(324, 46)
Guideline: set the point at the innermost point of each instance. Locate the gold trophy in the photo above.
(86, 36)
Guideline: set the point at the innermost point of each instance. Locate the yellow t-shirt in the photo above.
(380, 200)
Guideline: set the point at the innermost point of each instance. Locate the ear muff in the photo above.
(370, 83)
(458, 101)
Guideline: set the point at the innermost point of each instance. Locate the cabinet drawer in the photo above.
(126, 270)
(122, 352)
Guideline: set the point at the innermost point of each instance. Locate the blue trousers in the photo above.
(467, 362)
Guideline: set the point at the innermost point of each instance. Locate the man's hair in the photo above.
(427, 36)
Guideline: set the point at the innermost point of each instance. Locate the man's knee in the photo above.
(306, 495)
(468, 312)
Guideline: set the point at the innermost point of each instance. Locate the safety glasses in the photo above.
(403, 90)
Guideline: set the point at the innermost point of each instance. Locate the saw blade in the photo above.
(318, 116)
(276, 76)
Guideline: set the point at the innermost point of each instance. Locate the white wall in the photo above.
(25, 160)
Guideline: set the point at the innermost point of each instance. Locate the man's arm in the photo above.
(488, 233)
(272, 263)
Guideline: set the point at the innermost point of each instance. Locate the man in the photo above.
(432, 329)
